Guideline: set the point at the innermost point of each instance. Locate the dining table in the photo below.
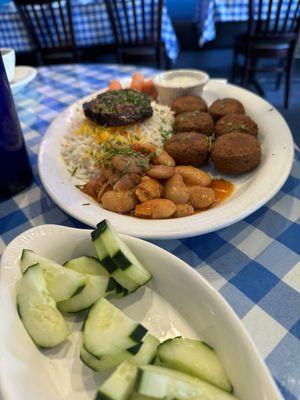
(254, 263)
(91, 23)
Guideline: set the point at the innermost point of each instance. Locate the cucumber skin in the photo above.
(102, 396)
(100, 228)
(138, 334)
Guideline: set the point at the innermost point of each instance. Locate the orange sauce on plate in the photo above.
(222, 188)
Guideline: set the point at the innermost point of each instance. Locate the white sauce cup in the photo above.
(179, 82)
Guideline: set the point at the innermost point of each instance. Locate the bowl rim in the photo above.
(160, 76)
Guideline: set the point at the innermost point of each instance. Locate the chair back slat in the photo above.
(295, 20)
(268, 20)
(277, 18)
(128, 30)
(59, 39)
(49, 23)
(135, 22)
(136, 28)
(274, 18)
(143, 19)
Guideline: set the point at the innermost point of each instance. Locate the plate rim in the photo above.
(245, 337)
(15, 86)
(192, 228)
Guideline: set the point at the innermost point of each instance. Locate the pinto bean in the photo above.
(92, 187)
(183, 210)
(119, 202)
(201, 197)
(148, 189)
(160, 171)
(160, 157)
(127, 182)
(102, 190)
(127, 164)
(155, 209)
(193, 176)
(176, 190)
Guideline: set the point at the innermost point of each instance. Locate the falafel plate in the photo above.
(146, 166)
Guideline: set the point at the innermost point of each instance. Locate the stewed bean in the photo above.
(201, 197)
(155, 209)
(176, 190)
(193, 176)
(183, 210)
(160, 171)
(119, 202)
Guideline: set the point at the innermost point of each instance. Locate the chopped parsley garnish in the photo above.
(74, 171)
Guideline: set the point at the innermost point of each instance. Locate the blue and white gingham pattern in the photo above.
(228, 10)
(91, 27)
(254, 263)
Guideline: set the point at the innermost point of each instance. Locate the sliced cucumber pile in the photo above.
(119, 385)
(96, 286)
(145, 355)
(117, 258)
(108, 331)
(62, 283)
(185, 369)
(38, 311)
(163, 383)
(194, 358)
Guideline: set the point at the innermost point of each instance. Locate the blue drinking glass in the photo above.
(15, 170)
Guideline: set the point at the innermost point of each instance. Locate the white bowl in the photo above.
(168, 90)
(177, 301)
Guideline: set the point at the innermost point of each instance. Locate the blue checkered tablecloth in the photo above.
(254, 263)
(91, 27)
(208, 12)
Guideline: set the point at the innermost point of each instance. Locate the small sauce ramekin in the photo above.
(169, 92)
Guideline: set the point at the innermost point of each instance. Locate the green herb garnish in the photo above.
(74, 171)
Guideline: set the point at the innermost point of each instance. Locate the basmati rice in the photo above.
(83, 150)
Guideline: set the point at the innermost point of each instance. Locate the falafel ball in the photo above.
(194, 121)
(222, 107)
(188, 103)
(236, 122)
(188, 148)
(236, 153)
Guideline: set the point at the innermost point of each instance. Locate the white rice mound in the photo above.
(82, 152)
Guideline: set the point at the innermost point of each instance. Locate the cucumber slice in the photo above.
(145, 355)
(38, 311)
(119, 386)
(121, 254)
(96, 286)
(109, 264)
(164, 383)
(194, 358)
(86, 265)
(62, 283)
(106, 329)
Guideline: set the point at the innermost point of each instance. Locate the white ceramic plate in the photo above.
(251, 190)
(23, 76)
(176, 301)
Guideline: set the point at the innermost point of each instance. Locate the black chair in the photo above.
(273, 37)
(136, 25)
(50, 27)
